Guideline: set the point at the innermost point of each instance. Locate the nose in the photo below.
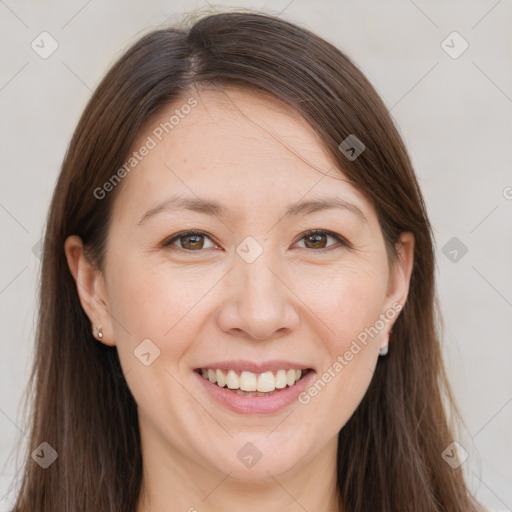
(260, 304)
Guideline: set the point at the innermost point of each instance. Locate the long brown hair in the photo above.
(389, 452)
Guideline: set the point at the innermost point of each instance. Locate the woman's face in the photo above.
(254, 292)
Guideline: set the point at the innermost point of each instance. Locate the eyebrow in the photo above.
(214, 208)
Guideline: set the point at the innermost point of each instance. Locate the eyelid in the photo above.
(190, 232)
(187, 232)
(341, 240)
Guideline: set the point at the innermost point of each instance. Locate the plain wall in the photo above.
(455, 115)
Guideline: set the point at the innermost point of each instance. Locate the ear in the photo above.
(400, 276)
(90, 286)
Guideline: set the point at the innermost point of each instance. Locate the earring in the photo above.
(385, 349)
(99, 331)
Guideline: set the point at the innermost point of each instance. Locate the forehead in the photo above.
(233, 122)
(236, 145)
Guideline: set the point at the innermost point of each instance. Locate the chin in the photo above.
(253, 457)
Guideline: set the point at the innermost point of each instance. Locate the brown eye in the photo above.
(191, 240)
(317, 239)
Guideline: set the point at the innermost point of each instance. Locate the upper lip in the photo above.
(241, 365)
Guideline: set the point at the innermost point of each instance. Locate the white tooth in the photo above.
(247, 381)
(281, 379)
(298, 374)
(221, 378)
(212, 377)
(266, 382)
(232, 380)
(204, 373)
(290, 377)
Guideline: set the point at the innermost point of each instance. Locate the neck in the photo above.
(174, 482)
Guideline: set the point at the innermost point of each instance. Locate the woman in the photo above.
(237, 294)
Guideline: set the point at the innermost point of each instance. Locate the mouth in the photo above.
(250, 384)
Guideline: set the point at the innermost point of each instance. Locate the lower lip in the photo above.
(256, 404)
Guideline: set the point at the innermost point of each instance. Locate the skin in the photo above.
(299, 299)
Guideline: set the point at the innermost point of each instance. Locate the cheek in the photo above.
(347, 299)
(139, 295)
(152, 297)
(157, 303)
(350, 303)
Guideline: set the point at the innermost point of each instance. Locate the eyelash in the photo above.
(344, 243)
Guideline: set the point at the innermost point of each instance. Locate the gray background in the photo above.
(454, 115)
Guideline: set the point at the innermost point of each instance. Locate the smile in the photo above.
(247, 387)
(247, 383)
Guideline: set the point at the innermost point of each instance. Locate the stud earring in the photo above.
(385, 349)
(99, 332)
